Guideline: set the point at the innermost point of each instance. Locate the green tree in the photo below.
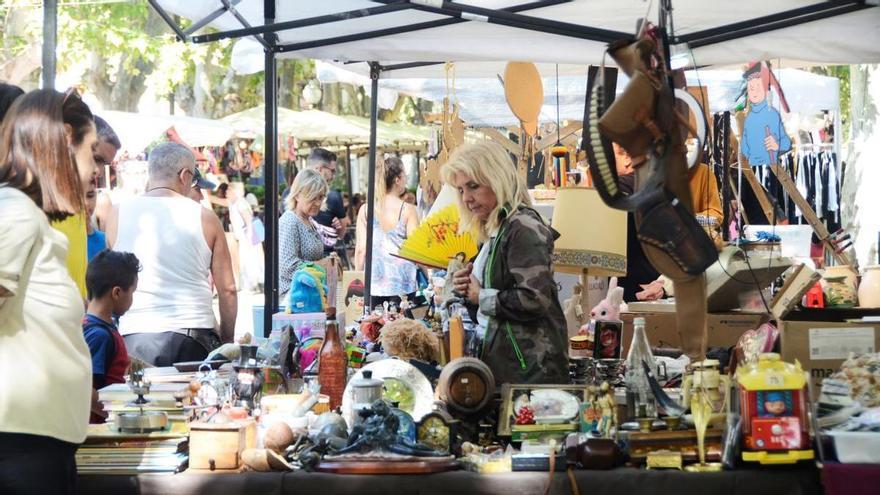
(842, 73)
(120, 44)
(20, 44)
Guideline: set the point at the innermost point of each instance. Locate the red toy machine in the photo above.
(774, 408)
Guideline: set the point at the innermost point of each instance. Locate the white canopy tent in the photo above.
(137, 131)
(422, 31)
(400, 35)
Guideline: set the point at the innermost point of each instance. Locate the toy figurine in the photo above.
(773, 401)
(610, 307)
(701, 411)
(706, 378)
(608, 406)
(774, 404)
(589, 412)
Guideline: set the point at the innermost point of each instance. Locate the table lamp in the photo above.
(592, 235)
(592, 242)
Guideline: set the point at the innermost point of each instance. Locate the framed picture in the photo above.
(607, 339)
(528, 411)
(353, 295)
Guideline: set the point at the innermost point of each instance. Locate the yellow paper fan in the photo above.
(436, 240)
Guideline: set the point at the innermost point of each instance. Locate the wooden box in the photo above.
(215, 447)
(682, 441)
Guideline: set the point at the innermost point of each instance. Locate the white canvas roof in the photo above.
(848, 38)
(482, 101)
(136, 131)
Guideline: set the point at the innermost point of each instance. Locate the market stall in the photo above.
(416, 37)
(548, 389)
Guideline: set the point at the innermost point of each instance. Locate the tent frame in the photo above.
(267, 36)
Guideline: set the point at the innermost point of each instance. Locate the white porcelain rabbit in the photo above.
(610, 307)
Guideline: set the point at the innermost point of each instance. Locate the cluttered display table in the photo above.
(402, 425)
(786, 481)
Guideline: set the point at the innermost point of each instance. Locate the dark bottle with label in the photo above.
(332, 365)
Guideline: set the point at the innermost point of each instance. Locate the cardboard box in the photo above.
(822, 340)
(723, 329)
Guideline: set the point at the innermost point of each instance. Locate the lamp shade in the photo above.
(592, 234)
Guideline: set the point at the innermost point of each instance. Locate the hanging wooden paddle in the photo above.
(524, 92)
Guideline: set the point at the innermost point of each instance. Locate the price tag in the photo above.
(774, 379)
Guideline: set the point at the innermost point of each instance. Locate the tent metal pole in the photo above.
(168, 20)
(348, 171)
(772, 22)
(375, 71)
(208, 19)
(270, 274)
(50, 40)
(409, 65)
(395, 6)
(530, 23)
(241, 20)
(292, 47)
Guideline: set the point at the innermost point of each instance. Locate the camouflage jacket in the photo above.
(526, 339)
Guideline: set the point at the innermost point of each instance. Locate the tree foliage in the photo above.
(842, 73)
(123, 49)
(20, 44)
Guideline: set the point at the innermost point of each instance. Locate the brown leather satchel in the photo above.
(670, 226)
(664, 221)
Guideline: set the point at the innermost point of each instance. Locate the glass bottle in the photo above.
(332, 364)
(639, 398)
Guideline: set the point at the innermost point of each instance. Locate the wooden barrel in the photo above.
(466, 385)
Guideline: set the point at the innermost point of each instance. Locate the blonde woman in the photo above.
(394, 221)
(298, 239)
(509, 286)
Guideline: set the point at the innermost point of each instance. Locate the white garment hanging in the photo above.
(833, 200)
(801, 180)
(817, 174)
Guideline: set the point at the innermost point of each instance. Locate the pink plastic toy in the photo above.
(609, 308)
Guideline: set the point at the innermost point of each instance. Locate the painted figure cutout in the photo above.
(764, 137)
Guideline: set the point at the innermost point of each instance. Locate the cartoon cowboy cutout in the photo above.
(764, 138)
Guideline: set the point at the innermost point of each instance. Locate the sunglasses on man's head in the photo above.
(196, 175)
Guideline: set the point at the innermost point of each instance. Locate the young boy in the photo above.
(111, 279)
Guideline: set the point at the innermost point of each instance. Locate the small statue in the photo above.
(608, 407)
(609, 308)
(379, 432)
(458, 262)
(406, 306)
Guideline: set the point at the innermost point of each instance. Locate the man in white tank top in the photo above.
(180, 244)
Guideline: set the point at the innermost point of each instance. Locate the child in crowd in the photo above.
(111, 279)
(97, 241)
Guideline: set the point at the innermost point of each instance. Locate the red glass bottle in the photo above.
(333, 364)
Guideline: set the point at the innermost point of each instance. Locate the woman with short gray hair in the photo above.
(298, 238)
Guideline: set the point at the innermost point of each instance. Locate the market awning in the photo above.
(306, 125)
(136, 131)
(716, 33)
(393, 132)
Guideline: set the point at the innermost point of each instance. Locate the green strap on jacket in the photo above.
(487, 280)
